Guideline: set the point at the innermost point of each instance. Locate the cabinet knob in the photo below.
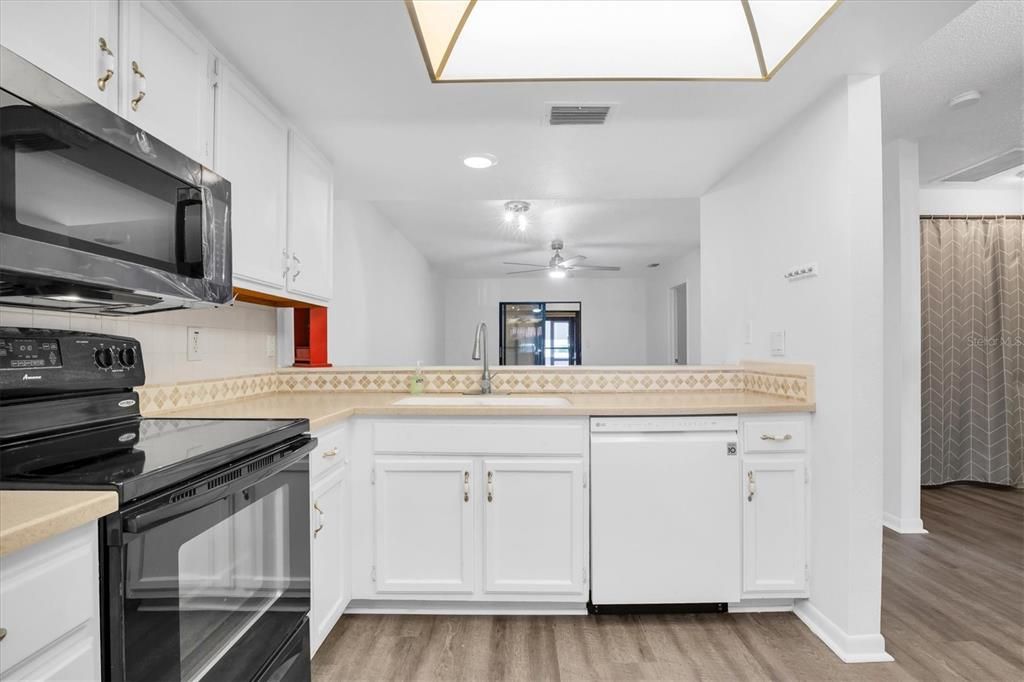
(140, 86)
(107, 65)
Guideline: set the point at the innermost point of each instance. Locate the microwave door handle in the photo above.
(141, 522)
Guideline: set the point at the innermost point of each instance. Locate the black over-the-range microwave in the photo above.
(95, 214)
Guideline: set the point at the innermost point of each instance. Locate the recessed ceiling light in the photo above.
(505, 40)
(480, 161)
(965, 99)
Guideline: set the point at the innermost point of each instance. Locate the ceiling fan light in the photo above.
(557, 273)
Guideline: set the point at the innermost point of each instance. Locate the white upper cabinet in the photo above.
(70, 48)
(534, 518)
(424, 525)
(251, 152)
(165, 77)
(310, 220)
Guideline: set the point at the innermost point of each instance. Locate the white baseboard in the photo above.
(849, 648)
(761, 606)
(903, 526)
(468, 608)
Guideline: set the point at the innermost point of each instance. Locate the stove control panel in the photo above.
(50, 361)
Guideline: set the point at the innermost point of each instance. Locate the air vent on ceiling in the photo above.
(578, 115)
(989, 167)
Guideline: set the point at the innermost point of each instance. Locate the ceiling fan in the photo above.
(559, 267)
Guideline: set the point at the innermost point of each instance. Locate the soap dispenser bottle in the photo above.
(417, 382)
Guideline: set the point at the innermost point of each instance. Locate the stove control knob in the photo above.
(104, 358)
(126, 357)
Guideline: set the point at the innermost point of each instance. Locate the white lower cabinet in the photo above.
(774, 526)
(533, 516)
(330, 554)
(424, 525)
(49, 608)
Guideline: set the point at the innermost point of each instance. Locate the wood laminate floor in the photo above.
(952, 608)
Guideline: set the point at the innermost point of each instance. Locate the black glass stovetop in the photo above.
(137, 457)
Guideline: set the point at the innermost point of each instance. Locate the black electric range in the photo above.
(205, 565)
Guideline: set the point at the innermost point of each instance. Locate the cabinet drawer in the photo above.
(47, 591)
(331, 451)
(783, 435)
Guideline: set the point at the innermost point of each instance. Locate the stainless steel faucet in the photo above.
(480, 350)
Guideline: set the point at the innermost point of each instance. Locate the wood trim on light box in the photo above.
(261, 298)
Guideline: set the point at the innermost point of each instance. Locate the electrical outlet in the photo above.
(271, 345)
(196, 339)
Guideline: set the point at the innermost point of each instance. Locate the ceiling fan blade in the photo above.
(523, 272)
(610, 268)
(528, 265)
(569, 262)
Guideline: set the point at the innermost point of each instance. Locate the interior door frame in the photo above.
(673, 326)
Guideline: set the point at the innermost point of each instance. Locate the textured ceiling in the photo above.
(981, 49)
(470, 239)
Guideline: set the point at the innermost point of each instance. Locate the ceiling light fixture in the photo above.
(515, 212)
(508, 40)
(480, 161)
(557, 274)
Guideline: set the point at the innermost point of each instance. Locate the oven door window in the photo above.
(210, 594)
(64, 186)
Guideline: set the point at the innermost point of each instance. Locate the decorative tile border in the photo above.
(789, 381)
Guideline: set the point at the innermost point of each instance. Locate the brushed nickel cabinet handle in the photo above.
(465, 486)
(772, 436)
(751, 486)
(3, 633)
(330, 453)
(140, 85)
(490, 486)
(298, 271)
(321, 515)
(108, 65)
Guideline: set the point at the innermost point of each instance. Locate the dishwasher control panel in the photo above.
(663, 424)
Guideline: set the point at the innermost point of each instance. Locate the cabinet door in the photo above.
(330, 554)
(63, 39)
(774, 526)
(251, 152)
(534, 513)
(424, 525)
(310, 228)
(175, 61)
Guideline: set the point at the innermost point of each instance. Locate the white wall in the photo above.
(234, 338)
(901, 498)
(660, 309)
(972, 198)
(814, 193)
(614, 309)
(387, 307)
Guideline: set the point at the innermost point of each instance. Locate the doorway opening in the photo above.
(677, 324)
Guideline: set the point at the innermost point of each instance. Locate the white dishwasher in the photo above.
(664, 511)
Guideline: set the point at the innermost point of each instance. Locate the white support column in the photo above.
(901, 503)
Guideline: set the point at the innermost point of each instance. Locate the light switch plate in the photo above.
(777, 342)
(195, 341)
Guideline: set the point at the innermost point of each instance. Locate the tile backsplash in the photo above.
(234, 338)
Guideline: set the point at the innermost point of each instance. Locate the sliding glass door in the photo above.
(535, 334)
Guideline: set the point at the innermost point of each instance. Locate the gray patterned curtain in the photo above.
(972, 347)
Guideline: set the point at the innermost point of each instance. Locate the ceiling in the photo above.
(352, 76)
(981, 49)
(470, 238)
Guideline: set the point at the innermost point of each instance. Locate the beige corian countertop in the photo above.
(31, 516)
(324, 409)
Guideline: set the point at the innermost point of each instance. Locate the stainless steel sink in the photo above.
(484, 401)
